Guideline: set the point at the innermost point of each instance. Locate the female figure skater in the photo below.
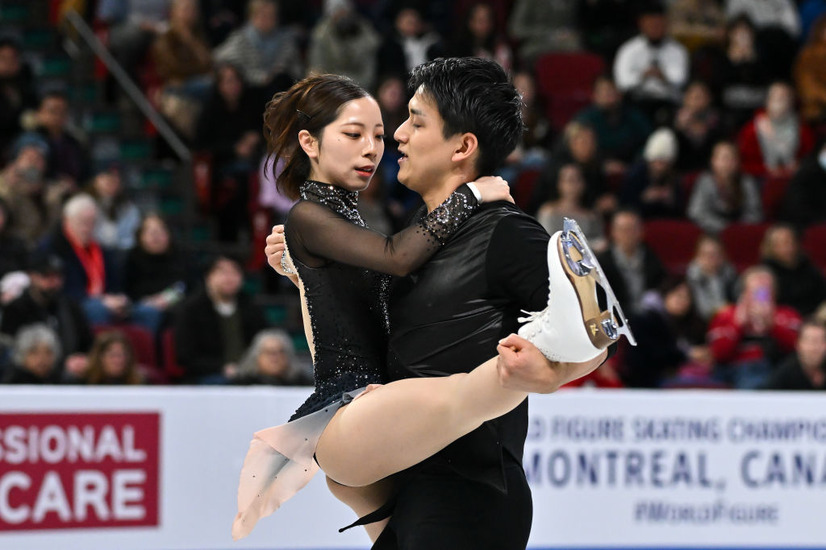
(330, 133)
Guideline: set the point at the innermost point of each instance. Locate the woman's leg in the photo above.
(400, 424)
(364, 500)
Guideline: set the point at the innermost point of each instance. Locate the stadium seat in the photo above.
(814, 243)
(773, 191)
(673, 241)
(564, 81)
(742, 243)
(170, 363)
(523, 189)
(687, 183)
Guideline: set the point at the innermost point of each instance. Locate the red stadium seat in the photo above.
(170, 363)
(742, 243)
(687, 184)
(673, 241)
(773, 191)
(814, 243)
(523, 188)
(564, 81)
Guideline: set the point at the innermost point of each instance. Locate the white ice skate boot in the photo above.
(573, 328)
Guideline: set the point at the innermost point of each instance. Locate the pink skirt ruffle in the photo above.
(279, 463)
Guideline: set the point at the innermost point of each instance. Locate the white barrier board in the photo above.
(157, 468)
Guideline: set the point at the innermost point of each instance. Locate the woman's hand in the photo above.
(493, 188)
(274, 250)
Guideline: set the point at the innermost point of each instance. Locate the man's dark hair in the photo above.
(474, 95)
(54, 93)
(9, 42)
(211, 262)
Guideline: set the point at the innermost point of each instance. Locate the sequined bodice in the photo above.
(344, 293)
(347, 309)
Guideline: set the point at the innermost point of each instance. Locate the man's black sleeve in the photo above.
(517, 262)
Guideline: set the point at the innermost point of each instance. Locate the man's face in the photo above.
(53, 113)
(626, 231)
(9, 62)
(426, 153)
(225, 279)
(653, 26)
(29, 167)
(82, 225)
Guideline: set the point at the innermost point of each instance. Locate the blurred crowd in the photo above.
(686, 137)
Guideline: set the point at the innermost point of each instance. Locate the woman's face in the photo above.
(480, 22)
(583, 145)
(114, 360)
(272, 357)
(40, 360)
(107, 184)
(678, 301)
(784, 246)
(154, 236)
(710, 257)
(571, 185)
(524, 84)
(697, 97)
(779, 101)
(229, 84)
(391, 94)
(741, 36)
(725, 162)
(350, 148)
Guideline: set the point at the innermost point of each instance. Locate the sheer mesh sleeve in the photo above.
(316, 234)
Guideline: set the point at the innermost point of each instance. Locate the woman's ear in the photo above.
(308, 143)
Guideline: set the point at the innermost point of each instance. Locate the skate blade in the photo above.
(584, 272)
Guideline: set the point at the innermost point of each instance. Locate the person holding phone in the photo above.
(749, 337)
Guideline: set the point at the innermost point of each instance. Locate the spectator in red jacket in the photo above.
(772, 143)
(749, 337)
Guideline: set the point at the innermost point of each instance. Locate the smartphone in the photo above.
(762, 294)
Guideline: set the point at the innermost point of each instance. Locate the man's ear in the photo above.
(308, 143)
(466, 146)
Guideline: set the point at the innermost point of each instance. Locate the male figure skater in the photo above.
(448, 317)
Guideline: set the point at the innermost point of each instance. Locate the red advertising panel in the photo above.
(78, 470)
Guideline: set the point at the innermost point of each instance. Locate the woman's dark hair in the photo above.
(311, 105)
(103, 342)
(735, 200)
(556, 172)
(466, 38)
(476, 96)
